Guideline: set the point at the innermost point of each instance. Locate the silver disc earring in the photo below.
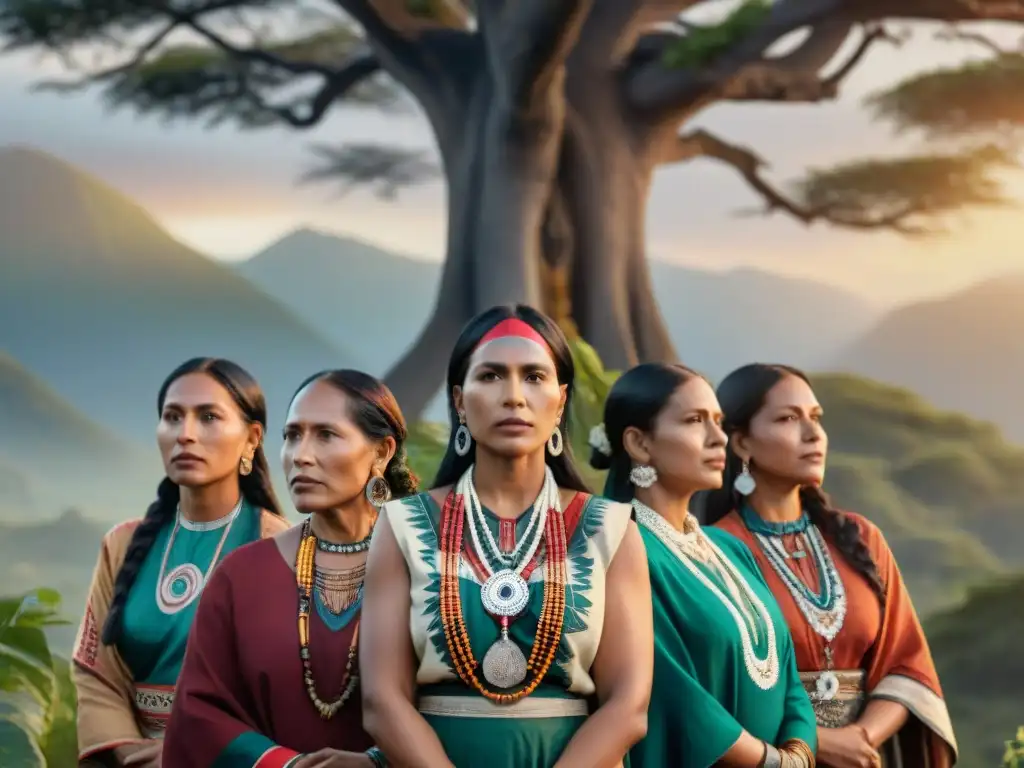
(555, 444)
(744, 482)
(643, 476)
(463, 440)
(377, 491)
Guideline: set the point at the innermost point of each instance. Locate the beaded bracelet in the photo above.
(377, 757)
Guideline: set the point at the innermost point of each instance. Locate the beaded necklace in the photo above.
(346, 547)
(503, 665)
(305, 575)
(824, 609)
(762, 672)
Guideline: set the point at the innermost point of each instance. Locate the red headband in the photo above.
(513, 326)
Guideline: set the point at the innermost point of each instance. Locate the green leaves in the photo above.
(954, 102)
(910, 192)
(36, 695)
(1014, 755)
(702, 44)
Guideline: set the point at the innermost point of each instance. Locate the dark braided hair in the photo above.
(255, 487)
(377, 415)
(742, 394)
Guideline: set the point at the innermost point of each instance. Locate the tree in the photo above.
(550, 118)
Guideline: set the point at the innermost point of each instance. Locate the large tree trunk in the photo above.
(610, 165)
(500, 169)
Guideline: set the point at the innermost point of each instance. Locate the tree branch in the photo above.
(952, 33)
(748, 165)
(663, 92)
(772, 81)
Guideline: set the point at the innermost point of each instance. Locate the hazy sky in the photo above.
(228, 194)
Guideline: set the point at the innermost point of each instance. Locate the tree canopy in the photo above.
(550, 119)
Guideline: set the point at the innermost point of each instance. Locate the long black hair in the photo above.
(635, 400)
(742, 395)
(255, 487)
(375, 412)
(563, 466)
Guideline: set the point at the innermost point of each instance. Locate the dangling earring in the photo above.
(244, 466)
(643, 476)
(745, 482)
(377, 491)
(463, 439)
(555, 443)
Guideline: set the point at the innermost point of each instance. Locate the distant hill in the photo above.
(370, 300)
(722, 320)
(52, 454)
(102, 303)
(344, 288)
(977, 650)
(59, 553)
(964, 351)
(947, 490)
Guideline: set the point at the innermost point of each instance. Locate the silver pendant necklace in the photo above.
(505, 593)
(177, 590)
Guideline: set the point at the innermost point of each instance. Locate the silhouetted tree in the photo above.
(550, 118)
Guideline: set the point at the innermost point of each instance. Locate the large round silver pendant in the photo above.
(504, 664)
(505, 593)
(827, 686)
(180, 588)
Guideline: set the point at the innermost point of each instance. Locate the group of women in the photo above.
(507, 617)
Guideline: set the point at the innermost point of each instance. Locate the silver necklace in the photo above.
(764, 673)
(178, 589)
(825, 612)
(505, 592)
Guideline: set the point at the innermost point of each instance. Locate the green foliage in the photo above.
(1014, 755)
(425, 447)
(593, 382)
(37, 700)
(952, 102)
(976, 647)
(703, 44)
(909, 189)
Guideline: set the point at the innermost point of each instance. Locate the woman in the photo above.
(726, 690)
(488, 628)
(271, 676)
(216, 496)
(859, 645)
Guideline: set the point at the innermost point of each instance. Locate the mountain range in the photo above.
(964, 351)
(52, 454)
(101, 303)
(375, 301)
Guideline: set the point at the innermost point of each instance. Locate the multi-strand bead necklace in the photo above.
(824, 609)
(505, 593)
(305, 576)
(748, 611)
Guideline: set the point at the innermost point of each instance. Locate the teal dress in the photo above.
(703, 697)
(533, 732)
(152, 642)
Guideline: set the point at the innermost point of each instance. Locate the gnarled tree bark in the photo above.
(501, 159)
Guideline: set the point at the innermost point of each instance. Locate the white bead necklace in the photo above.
(763, 672)
(505, 592)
